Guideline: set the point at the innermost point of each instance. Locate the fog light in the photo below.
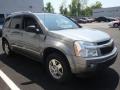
(92, 65)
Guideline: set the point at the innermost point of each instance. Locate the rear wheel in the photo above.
(58, 68)
(6, 48)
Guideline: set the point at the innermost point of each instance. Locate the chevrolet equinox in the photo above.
(63, 46)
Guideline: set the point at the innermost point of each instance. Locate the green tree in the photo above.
(49, 8)
(88, 10)
(97, 5)
(79, 8)
(61, 9)
(75, 8)
(64, 11)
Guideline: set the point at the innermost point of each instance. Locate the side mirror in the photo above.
(32, 28)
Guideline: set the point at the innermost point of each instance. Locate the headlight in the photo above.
(85, 49)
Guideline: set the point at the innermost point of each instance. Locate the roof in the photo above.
(26, 12)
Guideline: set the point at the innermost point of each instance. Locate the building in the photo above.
(108, 12)
(9, 6)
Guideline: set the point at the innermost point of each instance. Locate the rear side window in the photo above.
(16, 22)
(7, 23)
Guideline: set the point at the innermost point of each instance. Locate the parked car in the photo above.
(104, 19)
(81, 21)
(64, 48)
(112, 19)
(88, 20)
(74, 20)
(114, 24)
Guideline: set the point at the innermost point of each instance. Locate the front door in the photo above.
(33, 41)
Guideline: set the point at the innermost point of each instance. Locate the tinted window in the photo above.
(57, 22)
(28, 21)
(7, 23)
(16, 22)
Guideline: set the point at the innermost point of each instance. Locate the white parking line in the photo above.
(8, 81)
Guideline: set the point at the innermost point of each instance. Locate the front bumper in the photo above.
(110, 24)
(93, 64)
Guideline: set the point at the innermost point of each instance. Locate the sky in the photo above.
(106, 3)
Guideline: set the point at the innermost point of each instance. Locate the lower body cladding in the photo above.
(84, 65)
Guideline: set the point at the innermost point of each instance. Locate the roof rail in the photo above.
(21, 12)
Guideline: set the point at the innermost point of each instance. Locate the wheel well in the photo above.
(52, 50)
(4, 39)
(48, 51)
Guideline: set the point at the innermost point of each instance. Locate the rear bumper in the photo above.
(82, 65)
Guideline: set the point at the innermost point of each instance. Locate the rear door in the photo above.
(15, 31)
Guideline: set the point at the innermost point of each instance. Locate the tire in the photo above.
(115, 25)
(58, 68)
(6, 48)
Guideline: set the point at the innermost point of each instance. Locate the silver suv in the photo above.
(63, 46)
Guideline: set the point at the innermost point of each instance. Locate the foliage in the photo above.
(64, 11)
(96, 5)
(49, 8)
(88, 10)
(76, 8)
(80, 8)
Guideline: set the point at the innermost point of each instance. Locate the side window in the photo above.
(29, 21)
(16, 22)
(7, 23)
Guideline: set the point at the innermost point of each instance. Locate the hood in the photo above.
(115, 21)
(84, 34)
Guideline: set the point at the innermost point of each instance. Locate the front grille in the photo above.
(107, 50)
(103, 42)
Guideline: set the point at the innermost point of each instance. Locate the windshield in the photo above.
(57, 22)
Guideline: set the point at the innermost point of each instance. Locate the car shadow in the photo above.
(35, 71)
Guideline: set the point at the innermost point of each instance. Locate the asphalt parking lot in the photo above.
(30, 75)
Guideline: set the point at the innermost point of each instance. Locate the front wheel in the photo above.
(58, 68)
(115, 25)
